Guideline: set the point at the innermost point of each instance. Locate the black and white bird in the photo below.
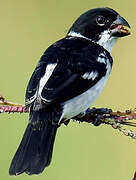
(68, 78)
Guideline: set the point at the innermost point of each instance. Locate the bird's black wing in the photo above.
(74, 60)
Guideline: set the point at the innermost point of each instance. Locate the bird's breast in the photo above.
(82, 102)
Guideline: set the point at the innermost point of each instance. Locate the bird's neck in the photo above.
(105, 40)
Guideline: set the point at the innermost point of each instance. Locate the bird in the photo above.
(68, 78)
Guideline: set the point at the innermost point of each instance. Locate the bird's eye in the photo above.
(101, 20)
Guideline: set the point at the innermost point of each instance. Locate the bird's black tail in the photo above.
(35, 150)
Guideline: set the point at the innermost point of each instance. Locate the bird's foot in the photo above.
(93, 115)
(99, 110)
(97, 120)
(98, 114)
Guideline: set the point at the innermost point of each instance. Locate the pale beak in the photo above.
(120, 27)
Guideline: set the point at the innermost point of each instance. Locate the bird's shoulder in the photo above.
(74, 49)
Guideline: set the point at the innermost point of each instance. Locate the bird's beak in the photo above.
(120, 27)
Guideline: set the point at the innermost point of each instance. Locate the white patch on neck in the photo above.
(107, 41)
(75, 34)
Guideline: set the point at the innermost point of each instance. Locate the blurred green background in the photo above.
(81, 151)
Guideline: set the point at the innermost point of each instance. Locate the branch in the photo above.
(115, 119)
(6, 106)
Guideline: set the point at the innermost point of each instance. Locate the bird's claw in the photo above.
(98, 113)
(97, 121)
(93, 115)
(99, 110)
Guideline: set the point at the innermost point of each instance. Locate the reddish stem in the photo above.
(10, 109)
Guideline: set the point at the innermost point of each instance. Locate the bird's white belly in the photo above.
(82, 102)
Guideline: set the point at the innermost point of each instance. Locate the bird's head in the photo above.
(101, 25)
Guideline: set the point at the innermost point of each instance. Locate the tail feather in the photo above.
(17, 160)
(35, 150)
(38, 164)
